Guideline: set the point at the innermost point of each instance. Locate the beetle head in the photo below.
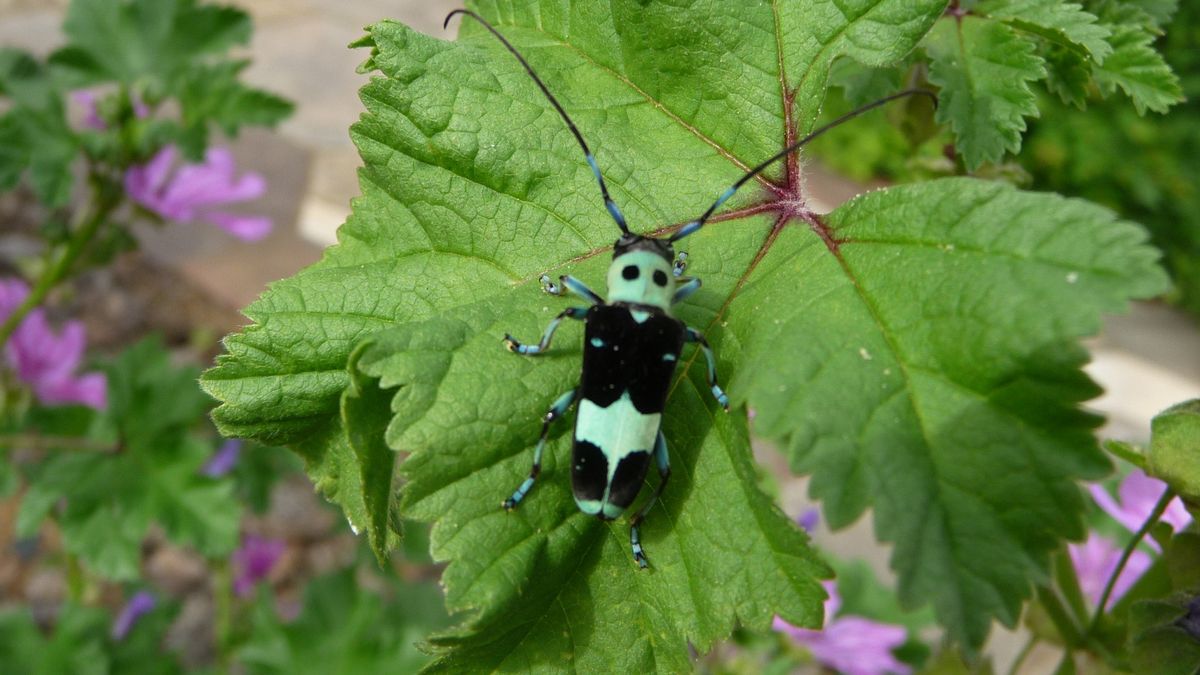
(641, 271)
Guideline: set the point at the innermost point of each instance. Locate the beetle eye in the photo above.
(660, 277)
(630, 272)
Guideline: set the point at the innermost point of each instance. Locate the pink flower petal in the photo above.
(47, 362)
(212, 183)
(37, 354)
(246, 228)
(858, 646)
(90, 389)
(1096, 559)
(143, 183)
(13, 292)
(852, 645)
(194, 188)
(1138, 494)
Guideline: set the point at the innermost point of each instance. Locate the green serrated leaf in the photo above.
(862, 84)
(213, 93)
(470, 413)
(896, 376)
(1069, 76)
(983, 69)
(1138, 70)
(1065, 23)
(930, 331)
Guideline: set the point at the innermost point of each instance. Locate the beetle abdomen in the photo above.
(628, 363)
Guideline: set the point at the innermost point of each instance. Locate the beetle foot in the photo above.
(680, 263)
(549, 286)
(511, 344)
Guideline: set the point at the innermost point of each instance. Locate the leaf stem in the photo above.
(1087, 640)
(106, 199)
(1069, 628)
(1151, 520)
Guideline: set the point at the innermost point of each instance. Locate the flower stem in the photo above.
(105, 201)
(1151, 520)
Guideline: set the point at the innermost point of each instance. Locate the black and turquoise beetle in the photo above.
(632, 344)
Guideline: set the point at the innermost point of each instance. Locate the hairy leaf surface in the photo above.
(925, 333)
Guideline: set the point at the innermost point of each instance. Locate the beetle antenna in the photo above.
(699, 222)
(591, 160)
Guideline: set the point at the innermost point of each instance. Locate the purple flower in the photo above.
(12, 293)
(809, 519)
(46, 360)
(223, 460)
(1136, 497)
(193, 189)
(253, 561)
(1096, 559)
(850, 644)
(140, 604)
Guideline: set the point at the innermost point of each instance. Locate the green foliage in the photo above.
(143, 468)
(1174, 455)
(915, 350)
(154, 51)
(1157, 181)
(1166, 635)
(985, 57)
(344, 629)
(34, 136)
(168, 49)
(80, 643)
(983, 69)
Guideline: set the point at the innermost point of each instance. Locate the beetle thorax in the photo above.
(641, 277)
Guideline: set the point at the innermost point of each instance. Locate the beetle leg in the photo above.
(685, 289)
(577, 313)
(579, 288)
(664, 472)
(556, 411)
(694, 335)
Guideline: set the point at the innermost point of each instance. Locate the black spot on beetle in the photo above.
(630, 272)
(627, 479)
(660, 277)
(589, 471)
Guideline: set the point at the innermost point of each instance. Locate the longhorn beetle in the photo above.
(631, 346)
